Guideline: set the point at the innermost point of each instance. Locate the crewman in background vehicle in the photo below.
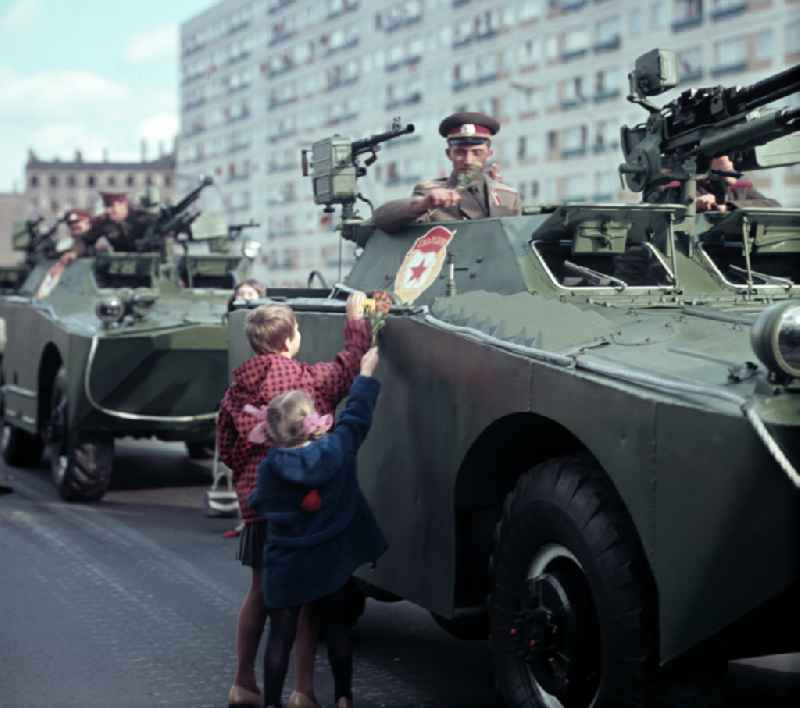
(119, 227)
(470, 192)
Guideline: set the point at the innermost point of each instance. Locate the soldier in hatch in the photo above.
(119, 227)
(79, 222)
(470, 192)
(723, 190)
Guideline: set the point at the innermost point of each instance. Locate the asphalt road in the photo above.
(132, 603)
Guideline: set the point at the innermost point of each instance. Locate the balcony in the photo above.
(409, 100)
(729, 10)
(690, 76)
(570, 55)
(339, 83)
(407, 61)
(346, 118)
(731, 68)
(244, 115)
(278, 5)
(349, 44)
(487, 78)
(460, 3)
(238, 26)
(460, 85)
(401, 22)
(600, 147)
(279, 37)
(348, 7)
(191, 105)
(569, 153)
(193, 49)
(395, 180)
(608, 45)
(688, 22)
(237, 89)
(605, 95)
(282, 135)
(236, 58)
(277, 167)
(573, 102)
(239, 147)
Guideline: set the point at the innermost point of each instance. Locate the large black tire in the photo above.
(81, 465)
(572, 601)
(19, 447)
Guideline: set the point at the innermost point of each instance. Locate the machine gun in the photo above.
(172, 219)
(336, 167)
(680, 139)
(36, 243)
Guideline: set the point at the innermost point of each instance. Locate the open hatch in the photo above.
(754, 248)
(617, 246)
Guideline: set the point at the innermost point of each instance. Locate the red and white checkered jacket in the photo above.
(265, 376)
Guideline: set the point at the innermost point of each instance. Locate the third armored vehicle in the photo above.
(119, 344)
(589, 426)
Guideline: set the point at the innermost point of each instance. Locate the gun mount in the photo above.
(173, 220)
(680, 139)
(335, 167)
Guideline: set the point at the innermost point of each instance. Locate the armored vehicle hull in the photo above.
(104, 348)
(576, 451)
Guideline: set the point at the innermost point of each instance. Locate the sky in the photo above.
(88, 75)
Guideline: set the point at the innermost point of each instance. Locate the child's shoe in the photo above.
(301, 700)
(239, 697)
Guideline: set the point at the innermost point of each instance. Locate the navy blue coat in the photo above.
(308, 555)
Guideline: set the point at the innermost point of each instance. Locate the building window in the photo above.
(730, 55)
(91, 181)
(635, 22)
(111, 181)
(659, 15)
(53, 181)
(35, 181)
(687, 13)
(167, 181)
(130, 181)
(690, 64)
(765, 45)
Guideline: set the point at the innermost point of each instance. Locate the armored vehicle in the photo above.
(587, 442)
(118, 344)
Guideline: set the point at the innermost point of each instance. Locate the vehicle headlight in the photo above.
(142, 302)
(775, 337)
(110, 310)
(250, 248)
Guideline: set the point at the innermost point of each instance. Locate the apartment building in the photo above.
(262, 79)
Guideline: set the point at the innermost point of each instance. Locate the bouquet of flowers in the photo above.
(377, 311)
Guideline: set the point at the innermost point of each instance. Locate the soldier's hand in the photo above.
(355, 305)
(369, 362)
(441, 197)
(707, 202)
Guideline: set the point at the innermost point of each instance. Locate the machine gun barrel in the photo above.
(774, 87)
(170, 217)
(372, 141)
(750, 134)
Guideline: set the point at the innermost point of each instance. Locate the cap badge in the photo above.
(468, 129)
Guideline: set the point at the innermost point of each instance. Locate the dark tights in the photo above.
(335, 613)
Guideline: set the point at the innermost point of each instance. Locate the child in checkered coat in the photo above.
(274, 335)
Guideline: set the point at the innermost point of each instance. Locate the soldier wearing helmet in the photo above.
(470, 192)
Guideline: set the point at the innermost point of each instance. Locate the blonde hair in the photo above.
(269, 326)
(285, 416)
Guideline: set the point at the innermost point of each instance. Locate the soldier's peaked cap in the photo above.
(110, 197)
(469, 128)
(74, 215)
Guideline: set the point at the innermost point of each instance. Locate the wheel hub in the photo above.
(556, 633)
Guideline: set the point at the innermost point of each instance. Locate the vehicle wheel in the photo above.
(81, 466)
(572, 604)
(201, 450)
(468, 627)
(19, 447)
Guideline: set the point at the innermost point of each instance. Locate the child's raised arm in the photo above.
(332, 379)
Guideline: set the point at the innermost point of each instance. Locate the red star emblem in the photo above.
(417, 271)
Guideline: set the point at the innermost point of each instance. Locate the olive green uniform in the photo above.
(480, 199)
